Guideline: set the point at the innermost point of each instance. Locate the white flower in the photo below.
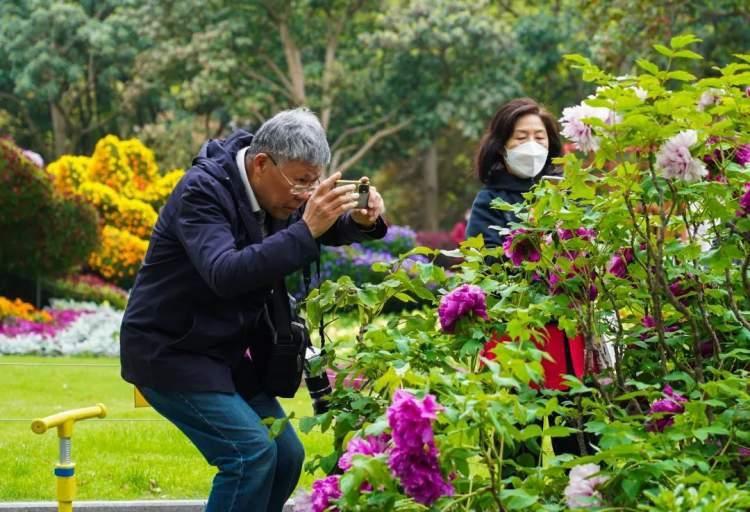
(581, 489)
(575, 129)
(640, 92)
(709, 98)
(675, 161)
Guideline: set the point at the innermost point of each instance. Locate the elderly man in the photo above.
(209, 303)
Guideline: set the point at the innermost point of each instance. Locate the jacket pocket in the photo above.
(210, 329)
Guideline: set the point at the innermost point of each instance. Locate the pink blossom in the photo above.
(519, 248)
(461, 301)
(411, 419)
(35, 158)
(675, 160)
(325, 491)
(581, 489)
(743, 451)
(666, 409)
(618, 263)
(371, 445)
(575, 128)
(744, 209)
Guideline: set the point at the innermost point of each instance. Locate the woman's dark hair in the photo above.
(490, 155)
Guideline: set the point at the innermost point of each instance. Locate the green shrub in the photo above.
(87, 288)
(43, 233)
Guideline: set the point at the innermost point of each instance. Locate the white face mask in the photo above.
(526, 160)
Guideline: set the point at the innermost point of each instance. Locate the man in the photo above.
(210, 297)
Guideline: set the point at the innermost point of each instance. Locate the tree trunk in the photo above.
(294, 63)
(59, 129)
(430, 188)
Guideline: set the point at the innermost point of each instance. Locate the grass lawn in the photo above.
(130, 454)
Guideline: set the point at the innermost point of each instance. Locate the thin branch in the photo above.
(380, 134)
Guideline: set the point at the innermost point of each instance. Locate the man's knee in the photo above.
(251, 460)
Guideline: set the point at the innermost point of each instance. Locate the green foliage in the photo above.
(675, 313)
(86, 289)
(44, 234)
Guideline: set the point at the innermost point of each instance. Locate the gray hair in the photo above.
(293, 135)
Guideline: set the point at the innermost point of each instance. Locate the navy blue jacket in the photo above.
(507, 187)
(197, 302)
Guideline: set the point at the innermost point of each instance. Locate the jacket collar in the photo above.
(500, 178)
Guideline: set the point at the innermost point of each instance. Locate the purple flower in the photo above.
(587, 234)
(411, 419)
(675, 160)
(414, 458)
(419, 474)
(666, 408)
(742, 155)
(519, 248)
(581, 489)
(744, 209)
(618, 266)
(575, 128)
(324, 491)
(371, 445)
(461, 301)
(744, 451)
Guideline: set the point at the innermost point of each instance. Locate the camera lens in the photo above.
(319, 389)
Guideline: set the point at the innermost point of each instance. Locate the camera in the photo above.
(316, 379)
(363, 190)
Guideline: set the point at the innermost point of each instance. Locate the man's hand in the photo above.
(327, 204)
(366, 217)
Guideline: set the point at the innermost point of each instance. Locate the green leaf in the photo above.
(648, 66)
(683, 76)
(703, 433)
(687, 54)
(678, 42)
(517, 499)
(663, 50)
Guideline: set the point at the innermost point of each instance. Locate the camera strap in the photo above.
(307, 280)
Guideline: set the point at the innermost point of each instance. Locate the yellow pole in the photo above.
(65, 467)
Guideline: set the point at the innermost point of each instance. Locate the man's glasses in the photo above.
(296, 189)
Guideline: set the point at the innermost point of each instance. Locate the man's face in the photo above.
(281, 188)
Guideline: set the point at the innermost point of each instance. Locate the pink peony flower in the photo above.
(35, 158)
(371, 445)
(325, 491)
(666, 408)
(581, 489)
(461, 301)
(743, 451)
(675, 160)
(575, 128)
(618, 263)
(744, 209)
(519, 248)
(411, 419)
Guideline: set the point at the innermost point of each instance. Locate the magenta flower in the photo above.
(325, 491)
(419, 474)
(618, 263)
(742, 155)
(519, 248)
(675, 160)
(666, 409)
(744, 209)
(581, 489)
(461, 301)
(371, 445)
(743, 451)
(414, 458)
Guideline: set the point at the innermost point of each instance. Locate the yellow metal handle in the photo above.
(64, 420)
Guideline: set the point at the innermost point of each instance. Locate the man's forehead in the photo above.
(300, 168)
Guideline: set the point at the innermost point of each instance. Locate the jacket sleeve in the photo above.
(483, 216)
(346, 231)
(203, 227)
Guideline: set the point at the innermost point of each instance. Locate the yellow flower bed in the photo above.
(70, 172)
(119, 256)
(122, 180)
(22, 310)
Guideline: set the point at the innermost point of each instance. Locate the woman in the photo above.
(515, 152)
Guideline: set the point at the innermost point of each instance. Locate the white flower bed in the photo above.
(96, 332)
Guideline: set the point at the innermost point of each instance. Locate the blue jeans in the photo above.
(256, 473)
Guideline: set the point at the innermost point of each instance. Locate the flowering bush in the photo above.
(122, 181)
(119, 256)
(86, 288)
(44, 233)
(642, 253)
